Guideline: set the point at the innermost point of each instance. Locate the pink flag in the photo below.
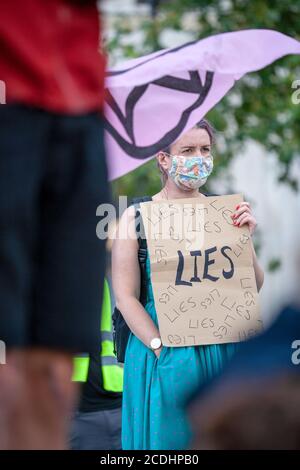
(152, 100)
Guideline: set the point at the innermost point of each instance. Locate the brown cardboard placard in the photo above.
(201, 271)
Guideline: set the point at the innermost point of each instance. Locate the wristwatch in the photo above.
(155, 343)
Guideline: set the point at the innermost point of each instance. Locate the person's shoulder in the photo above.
(125, 232)
(128, 214)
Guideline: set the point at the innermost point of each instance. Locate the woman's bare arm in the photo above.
(259, 273)
(126, 280)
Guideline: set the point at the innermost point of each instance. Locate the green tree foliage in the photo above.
(260, 105)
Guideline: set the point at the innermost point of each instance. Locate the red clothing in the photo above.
(49, 54)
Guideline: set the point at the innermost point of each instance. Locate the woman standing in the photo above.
(158, 379)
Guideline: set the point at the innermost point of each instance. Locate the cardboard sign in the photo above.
(201, 270)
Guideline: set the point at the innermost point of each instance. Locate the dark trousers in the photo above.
(52, 178)
(97, 430)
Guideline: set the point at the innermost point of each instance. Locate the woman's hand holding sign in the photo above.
(243, 215)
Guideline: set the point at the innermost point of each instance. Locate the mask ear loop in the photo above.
(163, 172)
(168, 154)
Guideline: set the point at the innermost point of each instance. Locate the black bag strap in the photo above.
(136, 201)
(142, 253)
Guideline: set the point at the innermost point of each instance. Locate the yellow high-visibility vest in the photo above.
(112, 372)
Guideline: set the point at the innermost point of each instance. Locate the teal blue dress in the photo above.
(155, 390)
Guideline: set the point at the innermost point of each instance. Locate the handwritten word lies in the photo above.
(208, 261)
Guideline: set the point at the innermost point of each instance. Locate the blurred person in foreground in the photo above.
(255, 402)
(52, 178)
(96, 423)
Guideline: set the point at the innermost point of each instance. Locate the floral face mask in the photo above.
(190, 172)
